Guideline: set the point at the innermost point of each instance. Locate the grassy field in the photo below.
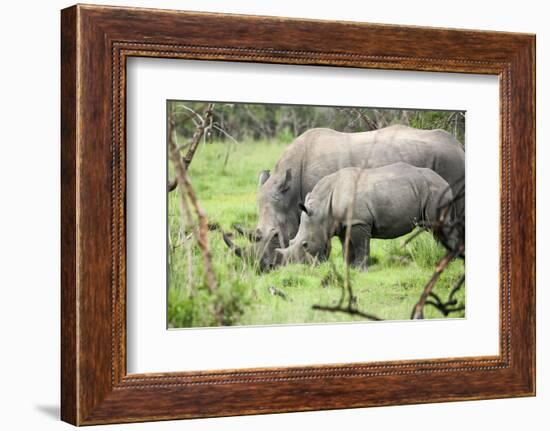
(224, 176)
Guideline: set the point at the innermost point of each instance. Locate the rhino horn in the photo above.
(263, 177)
(247, 233)
(229, 242)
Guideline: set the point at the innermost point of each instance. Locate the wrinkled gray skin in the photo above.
(384, 202)
(321, 152)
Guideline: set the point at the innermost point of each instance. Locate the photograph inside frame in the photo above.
(299, 214)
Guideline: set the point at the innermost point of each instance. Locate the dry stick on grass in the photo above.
(195, 140)
(187, 192)
(347, 310)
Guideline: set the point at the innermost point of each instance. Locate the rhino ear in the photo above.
(304, 208)
(264, 176)
(285, 182)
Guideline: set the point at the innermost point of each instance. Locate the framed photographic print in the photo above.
(264, 214)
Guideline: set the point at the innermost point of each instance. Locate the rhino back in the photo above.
(389, 199)
(321, 152)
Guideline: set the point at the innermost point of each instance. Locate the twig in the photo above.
(351, 307)
(187, 117)
(445, 310)
(228, 148)
(186, 215)
(413, 236)
(192, 113)
(277, 292)
(348, 310)
(182, 242)
(370, 124)
(195, 140)
(418, 310)
(456, 288)
(172, 184)
(446, 307)
(197, 135)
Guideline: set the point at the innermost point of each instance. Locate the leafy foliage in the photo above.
(283, 123)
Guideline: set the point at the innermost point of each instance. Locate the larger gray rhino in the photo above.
(321, 152)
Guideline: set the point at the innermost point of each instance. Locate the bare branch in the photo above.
(193, 113)
(187, 117)
(370, 124)
(351, 307)
(420, 230)
(348, 310)
(172, 184)
(447, 307)
(195, 140)
(215, 126)
(197, 135)
(187, 192)
(418, 310)
(228, 148)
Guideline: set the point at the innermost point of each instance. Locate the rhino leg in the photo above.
(359, 248)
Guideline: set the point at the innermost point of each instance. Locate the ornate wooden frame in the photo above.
(95, 43)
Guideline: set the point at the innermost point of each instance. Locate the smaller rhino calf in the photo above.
(385, 202)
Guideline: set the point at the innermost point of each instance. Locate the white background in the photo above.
(29, 215)
(151, 348)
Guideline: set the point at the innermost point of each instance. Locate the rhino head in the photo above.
(278, 221)
(278, 216)
(312, 242)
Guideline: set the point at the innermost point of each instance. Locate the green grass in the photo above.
(227, 193)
